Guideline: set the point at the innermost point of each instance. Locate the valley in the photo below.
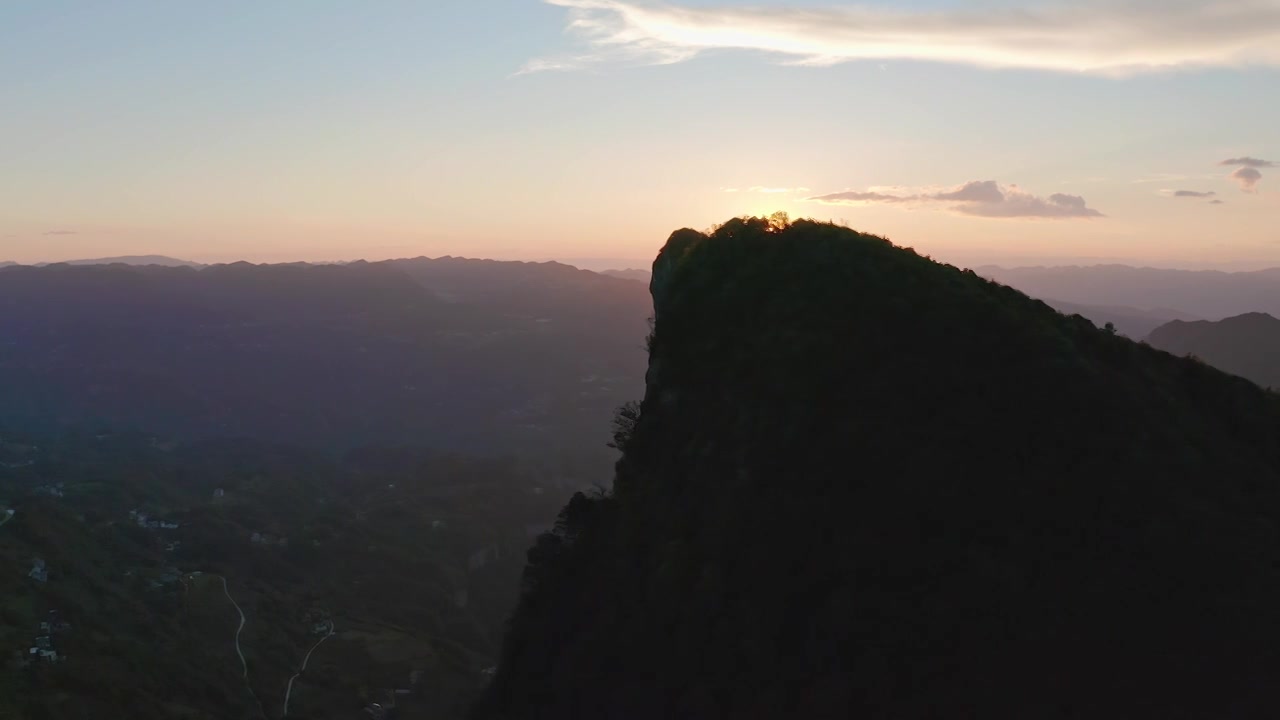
(379, 575)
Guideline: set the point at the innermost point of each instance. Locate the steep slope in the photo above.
(864, 484)
(1246, 345)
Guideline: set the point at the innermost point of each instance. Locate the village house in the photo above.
(219, 493)
(39, 572)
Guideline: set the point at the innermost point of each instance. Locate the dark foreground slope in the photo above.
(1246, 345)
(864, 484)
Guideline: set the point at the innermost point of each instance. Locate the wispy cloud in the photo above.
(979, 198)
(61, 232)
(1093, 36)
(1193, 194)
(1248, 162)
(767, 190)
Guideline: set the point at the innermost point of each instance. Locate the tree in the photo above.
(624, 423)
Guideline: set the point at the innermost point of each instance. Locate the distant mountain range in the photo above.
(162, 260)
(1246, 345)
(449, 353)
(1134, 323)
(630, 274)
(1209, 294)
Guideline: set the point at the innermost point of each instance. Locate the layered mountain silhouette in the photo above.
(1246, 345)
(1134, 323)
(631, 274)
(161, 260)
(1175, 294)
(865, 484)
(447, 353)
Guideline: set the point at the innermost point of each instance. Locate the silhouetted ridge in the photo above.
(1247, 345)
(865, 484)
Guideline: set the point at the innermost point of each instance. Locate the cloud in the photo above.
(1248, 178)
(1248, 162)
(61, 232)
(767, 190)
(854, 197)
(1193, 194)
(1115, 37)
(979, 198)
(985, 191)
(1215, 202)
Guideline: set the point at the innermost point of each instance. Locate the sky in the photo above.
(975, 131)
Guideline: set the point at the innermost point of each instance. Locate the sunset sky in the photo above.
(1035, 132)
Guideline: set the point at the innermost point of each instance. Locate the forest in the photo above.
(410, 558)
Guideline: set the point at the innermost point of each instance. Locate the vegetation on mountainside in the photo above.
(865, 484)
(414, 556)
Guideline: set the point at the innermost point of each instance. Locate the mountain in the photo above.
(630, 274)
(1246, 345)
(7, 263)
(1207, 294)
(1131, 322)
(865, 484)
(452, 354)
(160, 260)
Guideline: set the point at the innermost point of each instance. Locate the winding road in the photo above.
(244, 664)
(289, 690)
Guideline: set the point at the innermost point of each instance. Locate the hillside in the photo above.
(1246, 345)
(411, 559)
(455, 354)
(865, 484)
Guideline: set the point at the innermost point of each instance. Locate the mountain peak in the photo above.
(865, 483)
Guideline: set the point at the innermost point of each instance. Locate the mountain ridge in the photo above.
(865, 484)
(1247, 345)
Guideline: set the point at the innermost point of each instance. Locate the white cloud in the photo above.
(979, 198)
(1094, 36)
